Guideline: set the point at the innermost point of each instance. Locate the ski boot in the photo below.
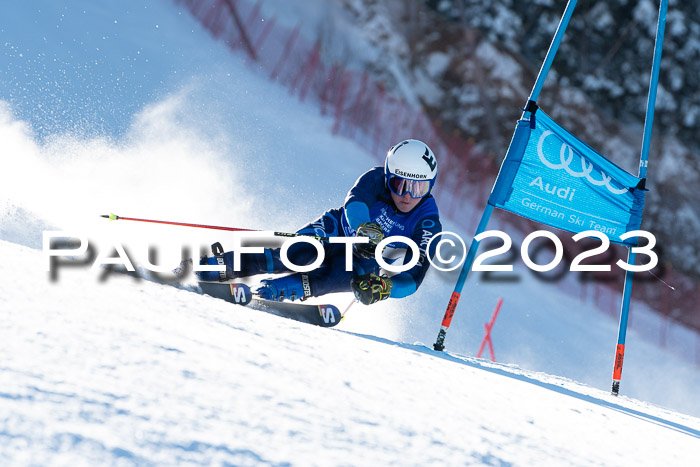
(209, 276)
(292, 287)
(217, 259)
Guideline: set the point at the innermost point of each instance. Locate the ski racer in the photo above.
(394, 200)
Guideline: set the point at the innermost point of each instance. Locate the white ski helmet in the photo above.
(410, 167)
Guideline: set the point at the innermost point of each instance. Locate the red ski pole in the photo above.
(114, 217)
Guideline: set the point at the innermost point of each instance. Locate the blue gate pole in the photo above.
(553, 47)
(539, 83)
(646, 141)
(454, 298)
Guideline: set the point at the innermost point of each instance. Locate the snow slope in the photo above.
(108, 370)
(136, 372)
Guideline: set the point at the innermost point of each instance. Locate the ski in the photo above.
(325, 315)
(239, 294)
(320, 315)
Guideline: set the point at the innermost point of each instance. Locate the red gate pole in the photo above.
(487, 337)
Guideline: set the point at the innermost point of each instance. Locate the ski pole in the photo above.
(114, 217)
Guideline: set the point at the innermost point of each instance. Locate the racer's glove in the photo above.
(371, 288)
(372, 231)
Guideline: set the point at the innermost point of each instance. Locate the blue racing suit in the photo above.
(369, 200)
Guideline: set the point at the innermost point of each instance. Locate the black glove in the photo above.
(375, 235)
(371, 288)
